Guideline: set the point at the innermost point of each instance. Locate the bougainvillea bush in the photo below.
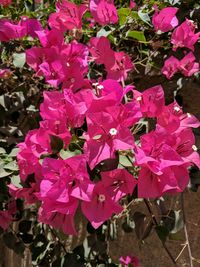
(91, 143)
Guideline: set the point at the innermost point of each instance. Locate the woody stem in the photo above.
(185, 230)
(156, 224)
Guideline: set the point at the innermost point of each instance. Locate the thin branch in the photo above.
(156, 224)
(186, 232)
(181, 252)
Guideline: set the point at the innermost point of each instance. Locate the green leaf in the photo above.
(19, 60)
(162, 232)
(138, 35)
(65, 154)
(169, 220)
(144, 17)
(9, 240)
(123, 13)
(139, 219)
(103, 33)
(4, 173)
(128, 225)
(15, 180)
(178, 222)
(124, 161)
(12, 166)
(25, 226)
(14, 152)
(2, 150)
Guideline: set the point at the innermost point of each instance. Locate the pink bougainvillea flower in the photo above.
(117, 64)
(104, 11)
(110, 87)
(27, 193)
(151, 101)
(185, 36)
(126, 260)
(165, 20)
(156, 154)
(10, 30)
(107, 132)
(184, 144)
(172, 119)
(77, 105)
(64, 183)
(60, 221)
(68, 16)
(66, 179)
(5, 219)
(101, 207)
(171, 66)
(5, 73)
(188, 66)
(101, 50)
(5, 2)
(50, 38)
(54, 72)
(53, 106)
(6, 216)
(119, 183)
(173, 179)
(122, 65)
(28, 157)
(132, 4)
(64, 64)
(30, 26)
(34, 57)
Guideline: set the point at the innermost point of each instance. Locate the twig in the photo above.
(156, 224)
(57, 239)
(185, 245)
(186, 232)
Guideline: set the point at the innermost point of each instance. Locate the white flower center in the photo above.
(97, 137)
(95, 84)
(189, 115)
(100, 86)
(101, 198)
(113, 131)
(177, 109)
(194, 148)
(139, 98)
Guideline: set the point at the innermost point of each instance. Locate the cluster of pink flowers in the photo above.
(10, 30)
(61, 184)
(6, 215)
(5, 2)
(183, 36)
(187, 66)
(127, 260)
(105, 118)
(67, 64)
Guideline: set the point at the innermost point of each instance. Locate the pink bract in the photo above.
(165, 20)
(104, 11)
(185, 36)
(126, 260)
(171, 66)
(68, 16)
(101, 207)
(5, 2)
